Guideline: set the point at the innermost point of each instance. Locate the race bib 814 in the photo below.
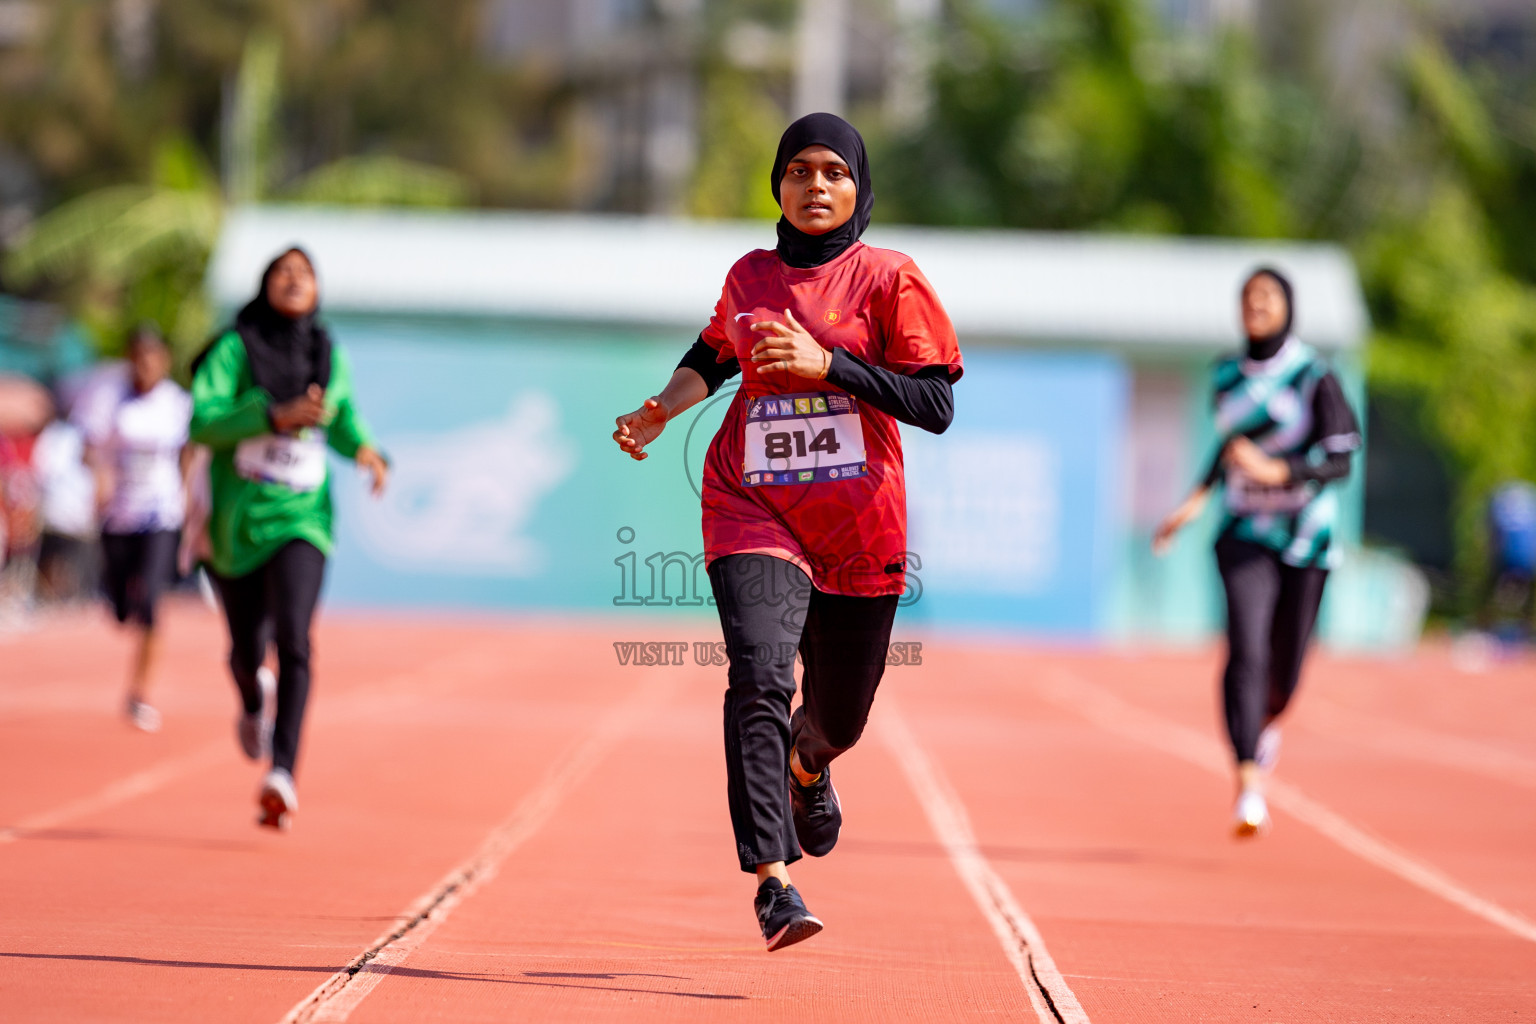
(815, 437)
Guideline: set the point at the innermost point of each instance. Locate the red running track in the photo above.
(517, 827)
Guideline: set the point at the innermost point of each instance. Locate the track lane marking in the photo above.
(123, 790)
(335, 998)
(1110, 712)
(353, 703)
(1489, 758)
(1049, 994)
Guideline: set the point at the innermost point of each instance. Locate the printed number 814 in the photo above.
(778, 445)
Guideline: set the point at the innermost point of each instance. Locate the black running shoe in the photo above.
(782, 914)
(818, 813)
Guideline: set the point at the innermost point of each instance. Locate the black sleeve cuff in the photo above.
(702, 360)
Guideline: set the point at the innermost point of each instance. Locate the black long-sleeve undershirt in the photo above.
(923, 399)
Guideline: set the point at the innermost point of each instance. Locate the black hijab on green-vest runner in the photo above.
(286, 354)
(797, 248)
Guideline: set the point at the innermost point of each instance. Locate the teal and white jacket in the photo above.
(1292, 407)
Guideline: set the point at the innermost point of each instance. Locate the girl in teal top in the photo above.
(1286, 435)
(269, 396)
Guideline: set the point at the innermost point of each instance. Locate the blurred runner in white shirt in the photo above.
(136, 436)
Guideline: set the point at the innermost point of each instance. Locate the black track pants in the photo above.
(136, 569)
(1271, 609)
(275, 603)
(768, 611)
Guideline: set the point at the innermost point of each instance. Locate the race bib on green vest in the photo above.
(297, 463)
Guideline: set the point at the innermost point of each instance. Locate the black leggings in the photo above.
(1271, 609)
(275, 603)
(768, 611)
(136, 570)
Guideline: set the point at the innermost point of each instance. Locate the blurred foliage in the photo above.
(327, 101)
(409, 79)
(743, 71)
(124, 254)
(742, 126)
(1451, 278)
(1096, 119)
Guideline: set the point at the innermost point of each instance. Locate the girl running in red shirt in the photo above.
(804, 495)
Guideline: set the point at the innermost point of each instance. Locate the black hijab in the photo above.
(286, 354)
(1265, 347)
(796, 248)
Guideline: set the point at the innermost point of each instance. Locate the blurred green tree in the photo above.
(1451, 278)
(136, 249)
(1097, 118)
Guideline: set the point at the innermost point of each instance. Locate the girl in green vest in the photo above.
(268, 397)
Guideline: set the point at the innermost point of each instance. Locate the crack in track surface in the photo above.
(1050, 996)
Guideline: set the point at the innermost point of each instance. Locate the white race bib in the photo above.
(801, 439)
(297, 463)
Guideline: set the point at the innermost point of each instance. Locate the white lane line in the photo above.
(336, 997)
(353, 703)
(119, 792)
(1488, 758)
(1049, 993)
(1108, 711)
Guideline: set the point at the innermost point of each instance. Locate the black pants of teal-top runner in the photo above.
(275, 604)
(768, 611)
(1271, 609)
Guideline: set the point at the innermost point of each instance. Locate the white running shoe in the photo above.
(142, 716)
(255, 727)
(277, 800)
(1268, 753)
(1251, 816)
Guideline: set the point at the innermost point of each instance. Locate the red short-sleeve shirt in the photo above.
(850, 535)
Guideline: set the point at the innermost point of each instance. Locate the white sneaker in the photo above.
(142, 716)
(1268, 753)
(255, 727)
(277, 800)
(1251, 816)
